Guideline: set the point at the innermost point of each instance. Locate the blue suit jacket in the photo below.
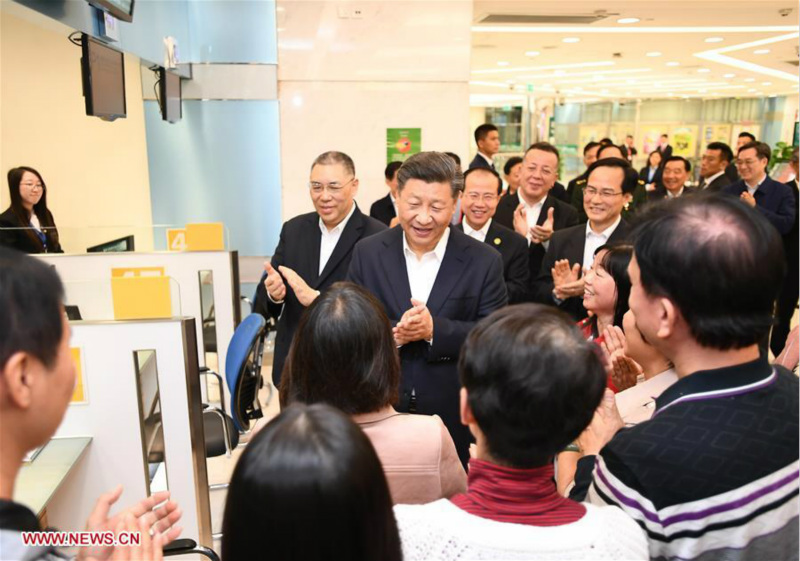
(774, 200)
(468, 287)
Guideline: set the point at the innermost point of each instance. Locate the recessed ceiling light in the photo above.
(532, 53)
(673, 63)
(625, 21)
(714, 39)
(502, 63)
(571, 40)
(761, 52)
(751, 90)
(729, 76)
(703, 70)
(654, 53)
(749, 79)
(766, 83)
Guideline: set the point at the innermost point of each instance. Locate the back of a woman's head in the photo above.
(343, 353)
(309, 487)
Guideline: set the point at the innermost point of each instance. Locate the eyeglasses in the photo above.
(546, 172)
(334, 188)
(747, 163)
(605, 194)
(486, 197)
(33, 186)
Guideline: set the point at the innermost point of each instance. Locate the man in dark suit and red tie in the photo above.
(435, 283)
(488, 140)
(314, 250)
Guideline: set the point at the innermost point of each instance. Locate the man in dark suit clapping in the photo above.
(435, 283)
(314, 249)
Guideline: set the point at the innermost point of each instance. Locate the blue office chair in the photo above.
(243, 377)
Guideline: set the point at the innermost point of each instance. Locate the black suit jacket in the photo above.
(666, 152)
(644, 174)
(27, 241)
(298, 249)
(468, 287)
(774, 200)
(569, 244)
(513, 249)
(732, 173)
(716, 185)
(564, 216)
(660, 193)
(479, 162)
(383, 209)
(559, 192)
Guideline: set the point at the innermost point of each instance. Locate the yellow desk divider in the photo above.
(79, 393)
(141, 297)
(205, 237)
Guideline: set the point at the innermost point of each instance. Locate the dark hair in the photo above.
(719, 261)
(39, 209)
(628, 136)
(308, 484)
(31, 299)
(604, 147)
(664, 135)
(606, 141)
(630, 177)
(762, 149)
(484, 170)
(343, 353)
(686, 165)
(747, 135)
(544, 147)
(455, 157)
(615, 262)
(724, 150)
(391, 169)
(431, 167)
(533, 382)
(333, 157)
(589, 146)
(509, 165)
(650, 156)
(482, 131)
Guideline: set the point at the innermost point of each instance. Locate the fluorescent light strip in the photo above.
(593, 73)
(715, 55)
(588, 30)
(550, 67)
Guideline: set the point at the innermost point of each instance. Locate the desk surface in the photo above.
(38, 480)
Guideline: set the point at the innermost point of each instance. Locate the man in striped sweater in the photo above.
(714, 473)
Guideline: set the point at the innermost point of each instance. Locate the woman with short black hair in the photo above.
(309, 487)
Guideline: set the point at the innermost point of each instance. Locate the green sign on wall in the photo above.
(402, 143)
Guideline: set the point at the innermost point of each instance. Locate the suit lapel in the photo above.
(548, 203)
(393, 263)
(310, 270)
(350, 235)
(453, 267)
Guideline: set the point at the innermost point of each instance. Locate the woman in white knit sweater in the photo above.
(531, 384)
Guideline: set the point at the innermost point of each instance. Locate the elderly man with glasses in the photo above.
(609, 186)
(314, 249)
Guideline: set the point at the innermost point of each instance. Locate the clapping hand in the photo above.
(748, 198)
(274, 283)
(521, 221)
(415, 325)
(304, 293)
(624, 370)
(605, 424)
(541, 234)
(567, 282)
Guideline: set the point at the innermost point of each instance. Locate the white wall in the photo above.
(96, 172)
(343, 82)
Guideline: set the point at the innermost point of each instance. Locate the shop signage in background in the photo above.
(684, 141)
(402, 144)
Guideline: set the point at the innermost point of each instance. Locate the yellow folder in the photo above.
(205, 237)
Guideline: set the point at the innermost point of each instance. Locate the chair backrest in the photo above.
(243, 370)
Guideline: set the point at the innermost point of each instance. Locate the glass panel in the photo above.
(206, 279)
(153, 449)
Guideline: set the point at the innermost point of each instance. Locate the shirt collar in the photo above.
(469, 229)
(757, 185)
(438, 251)
(719, 382)
(339, 228)
(713, 177)
(487, 158)
(605, 233)
(671, 196)
(527, 206)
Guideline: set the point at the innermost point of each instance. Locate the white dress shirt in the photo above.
(479, 235)
(330, 238)
(532, 212)
(595, 240)
(671, 196)
(394, 203)
(422, 272)
(708, 181)
(752, 190)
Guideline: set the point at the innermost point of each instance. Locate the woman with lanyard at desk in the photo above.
(27, 225)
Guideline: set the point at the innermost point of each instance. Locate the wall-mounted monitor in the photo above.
(169, 85)
(120, 9)
(103, 71)
(120, 244)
